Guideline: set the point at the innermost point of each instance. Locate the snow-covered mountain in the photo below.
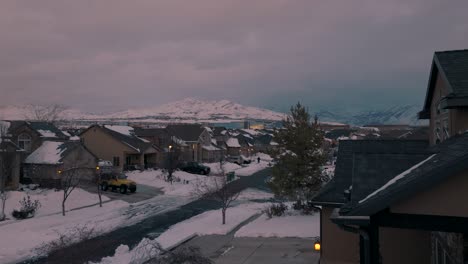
(191, 108)
(393, 115)
(186, 109)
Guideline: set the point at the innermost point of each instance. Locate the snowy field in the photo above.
(51, 201)
(20, 239)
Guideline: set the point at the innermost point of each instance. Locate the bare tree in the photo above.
(70, 179)
(98, 184)
(218, 188)
(48, 113)
(172, 158)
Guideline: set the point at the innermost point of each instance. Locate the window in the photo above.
(24, 142)
(116, 161)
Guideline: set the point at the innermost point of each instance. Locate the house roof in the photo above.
(448, 158)
(126, 135)
(44, 129)
(453, 68)
(150, 132)
(186, 132)
(363, 165)
(52, 152)
(233, 143)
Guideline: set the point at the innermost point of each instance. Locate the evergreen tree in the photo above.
(297, 173)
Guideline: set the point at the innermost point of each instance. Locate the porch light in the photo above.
(97, 168)
(170, 147)
(317, 246)
(59, 171)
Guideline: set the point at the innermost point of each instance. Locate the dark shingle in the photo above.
(450, 157)
(186, 132)
(454, 64)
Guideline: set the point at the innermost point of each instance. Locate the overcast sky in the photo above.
(115, 54)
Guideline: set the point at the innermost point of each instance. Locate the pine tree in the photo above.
(297, 173)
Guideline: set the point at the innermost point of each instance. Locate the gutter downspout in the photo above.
(320, 209)
(365, 236)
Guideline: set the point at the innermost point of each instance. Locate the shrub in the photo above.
(306, 208)
(276, 210)
(73, 235)
(28, 208)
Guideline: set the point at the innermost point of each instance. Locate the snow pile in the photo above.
(50, 152)
(233, 143)
(124, 130)
(305, 226)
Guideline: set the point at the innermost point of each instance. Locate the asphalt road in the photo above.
(142, 193)
(97, 248)
(230, 250)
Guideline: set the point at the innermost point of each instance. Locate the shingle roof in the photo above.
(451, 157)
(453, 67)
(186, 132)
(454, 64)
(44, 129)
(150, 132)
(367, 164)
(132, 141)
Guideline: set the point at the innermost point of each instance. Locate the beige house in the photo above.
(406, 202)
(120, 145)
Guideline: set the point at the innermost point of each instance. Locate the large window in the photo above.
(24, 142)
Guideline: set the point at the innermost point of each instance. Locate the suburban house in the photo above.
(403, 202)
(158, 136)
(47, 164)
(121, 146)
(194, 142)
(29, 135)
(10, 158)
(233, 147)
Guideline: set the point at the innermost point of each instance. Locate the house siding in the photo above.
(447, 198)
(338, 246)
(104, 146)
(438, 118)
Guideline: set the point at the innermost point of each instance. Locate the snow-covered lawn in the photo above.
(254, 194)
(296, 225)
(20, 239)
(51, 201)
(207, 223)
(182, 186)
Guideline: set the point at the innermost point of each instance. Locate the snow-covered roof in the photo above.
(273, 143)
(252, 132)
(47, 133)
(124, 130)
(233, 143)
(210, 147)
(50, 152)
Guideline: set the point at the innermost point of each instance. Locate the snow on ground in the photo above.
(20, 239)
(295, 225)
(183, 184)
(207, 223)
(228, 167)
(51, 201)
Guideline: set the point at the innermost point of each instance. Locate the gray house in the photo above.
(46, 164)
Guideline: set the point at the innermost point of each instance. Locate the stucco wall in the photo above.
(448, 198)
(398, 246)
(82, 158)
(104, 146)
(338, 246)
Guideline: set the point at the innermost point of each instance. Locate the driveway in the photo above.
(142, 193)
(228, 250)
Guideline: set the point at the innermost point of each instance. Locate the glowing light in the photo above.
(317, 246)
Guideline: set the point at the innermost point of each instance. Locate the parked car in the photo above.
(117, 181)
(195, 167)
(238, 160)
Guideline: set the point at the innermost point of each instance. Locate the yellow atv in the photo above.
(117, 181)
